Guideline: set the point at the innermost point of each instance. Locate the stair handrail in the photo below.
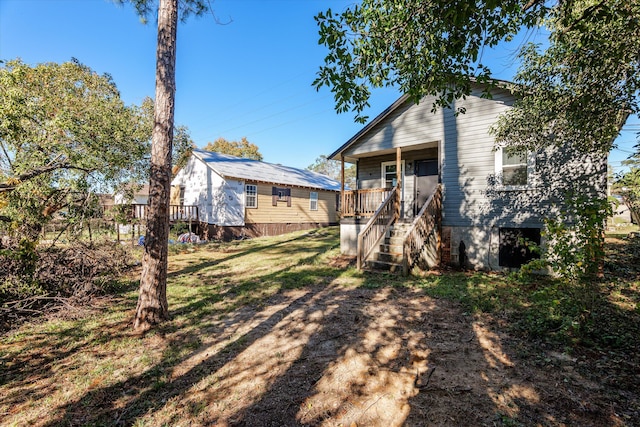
(427, 220)
(376, 228)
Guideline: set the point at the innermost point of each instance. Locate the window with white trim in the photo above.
(513, 170)
(251, 196)
(389, 174)
(313, 200)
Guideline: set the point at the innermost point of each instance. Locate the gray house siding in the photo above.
(468, 160)
(476, 206)
(409, 125)
(466, 151)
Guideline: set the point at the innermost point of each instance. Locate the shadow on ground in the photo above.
(307, 344)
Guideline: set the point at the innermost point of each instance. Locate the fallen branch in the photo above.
(423, 386)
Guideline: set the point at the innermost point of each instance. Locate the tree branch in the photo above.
(5, 187)
(585, 14)
(533, 3)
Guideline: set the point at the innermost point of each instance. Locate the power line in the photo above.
(289, 122)
(252, 98)
(275, 114)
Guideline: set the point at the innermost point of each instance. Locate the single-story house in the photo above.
(238, 197)
(136, 195)
(433, 187)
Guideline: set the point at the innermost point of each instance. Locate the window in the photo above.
(513, 169)
(251, 196)
(280, 195)
(389, 176)
(313, 201)
(516, 244)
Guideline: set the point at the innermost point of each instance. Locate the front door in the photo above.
(426, 176)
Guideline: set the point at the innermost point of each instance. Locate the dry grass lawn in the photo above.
(281, 332)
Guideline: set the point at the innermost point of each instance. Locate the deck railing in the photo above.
(424, 231)
(376, 227)
(183, 213)
(363, 203)
(137, 211)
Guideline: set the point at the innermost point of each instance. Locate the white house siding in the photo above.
(138, 199)
(219, 201)
(228, 204)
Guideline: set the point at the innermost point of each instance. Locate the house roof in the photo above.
(135, 189)
(229, 166)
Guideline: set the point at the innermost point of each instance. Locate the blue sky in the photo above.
(248, 76)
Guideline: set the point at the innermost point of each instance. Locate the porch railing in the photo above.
(424, 231)
(183, 213)
(376, 227)
(137, 211)
(363, 203)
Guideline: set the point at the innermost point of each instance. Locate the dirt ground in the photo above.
(340, 356)
(330, 354)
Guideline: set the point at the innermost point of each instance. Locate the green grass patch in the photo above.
(600, 314)
(55, 368)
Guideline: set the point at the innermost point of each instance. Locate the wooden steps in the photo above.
(388, 257)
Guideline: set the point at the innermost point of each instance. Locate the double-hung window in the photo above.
(251, 195)
(513, 169)
(313, 200)
(390, 174)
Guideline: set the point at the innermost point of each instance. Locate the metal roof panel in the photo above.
(254, 170)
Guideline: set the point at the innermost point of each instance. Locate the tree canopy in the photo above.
(331, 168)
(182, 148)
(65, 135)
(420, 47)
(579, 89)
(242, 148)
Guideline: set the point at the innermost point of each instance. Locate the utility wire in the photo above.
(274, 114)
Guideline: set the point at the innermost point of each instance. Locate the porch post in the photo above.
(398, 181)
(342, 195)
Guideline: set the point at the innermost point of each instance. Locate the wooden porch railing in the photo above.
(376, 227)
(363, 203)
(137, 211)
(425, 230)
(183, 213)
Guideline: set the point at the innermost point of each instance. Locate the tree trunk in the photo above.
(152, 301)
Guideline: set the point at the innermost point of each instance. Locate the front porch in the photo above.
(384, 240)
(392, 218)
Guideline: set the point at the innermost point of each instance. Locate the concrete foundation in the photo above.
(349, 229)
(475, 248)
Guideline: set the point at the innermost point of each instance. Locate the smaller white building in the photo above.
(238, 197)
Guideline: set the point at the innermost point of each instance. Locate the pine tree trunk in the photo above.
(152, 301)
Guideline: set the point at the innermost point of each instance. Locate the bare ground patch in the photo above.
(333, 352)
(340, 356)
